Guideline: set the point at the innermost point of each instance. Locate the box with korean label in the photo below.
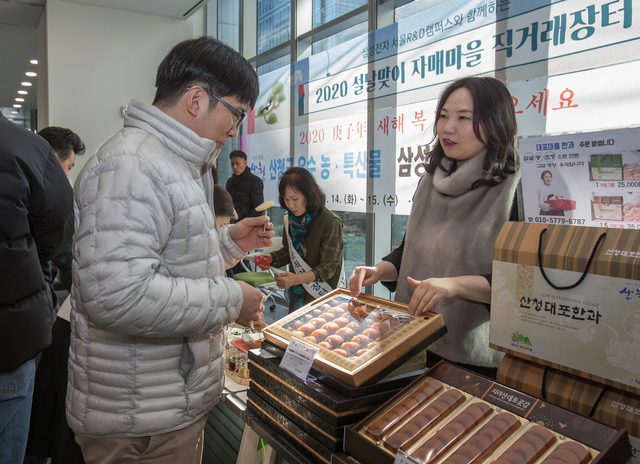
(360, 340)
(569, 297)
(451, 415)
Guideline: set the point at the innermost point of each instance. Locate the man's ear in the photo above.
(194, 101)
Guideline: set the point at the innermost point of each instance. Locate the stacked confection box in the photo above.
(313, 413)
(451, 415)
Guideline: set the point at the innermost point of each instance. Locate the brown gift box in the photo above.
(620, 409)
(403, 337)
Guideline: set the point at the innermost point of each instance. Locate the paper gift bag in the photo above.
(569, 297)
(606, 167)
(607, 207)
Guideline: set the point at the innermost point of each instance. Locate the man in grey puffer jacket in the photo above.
(150, 298)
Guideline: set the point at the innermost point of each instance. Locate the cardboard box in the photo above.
(394, 335)
(592, 330)
(326, 403)
(604, 443)
(522, 375)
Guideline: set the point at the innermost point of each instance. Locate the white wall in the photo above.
(98, 60)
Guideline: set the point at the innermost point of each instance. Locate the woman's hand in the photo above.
(428, 292)
(363, 276)
(287, 279)
(252, 233)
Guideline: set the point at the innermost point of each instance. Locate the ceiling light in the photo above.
(17, 106)
(9, 119)
(33, 61)
(26, 84)
(30, 74)
(14, 112)
(19, 99)
(23, 92)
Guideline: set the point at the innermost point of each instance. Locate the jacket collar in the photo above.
(181, 140)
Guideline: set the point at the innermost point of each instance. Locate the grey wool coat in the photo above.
(149, 297)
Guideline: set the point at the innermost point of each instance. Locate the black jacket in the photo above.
(35, 222)
(247, 193)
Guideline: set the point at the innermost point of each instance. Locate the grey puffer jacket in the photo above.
(149, 300)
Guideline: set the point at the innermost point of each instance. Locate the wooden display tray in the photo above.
(408, 335)
(236, 378)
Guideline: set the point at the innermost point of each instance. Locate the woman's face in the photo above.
(455, 127)
(222, 221)
(295, 201)
(547, 178)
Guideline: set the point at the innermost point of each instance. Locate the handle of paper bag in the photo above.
(586, 270)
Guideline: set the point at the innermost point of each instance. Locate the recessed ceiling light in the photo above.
(30, 74)
(18, 99)
(17, 106)
(33, 61)
(23, 92)
(14, 112)
(9, 119)
(26, 84)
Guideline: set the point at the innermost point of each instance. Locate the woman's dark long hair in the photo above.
(493, 110)
(302, 180)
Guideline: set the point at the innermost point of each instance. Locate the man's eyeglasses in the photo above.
(242, 115)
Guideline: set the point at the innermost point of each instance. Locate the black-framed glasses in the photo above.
(242, 115)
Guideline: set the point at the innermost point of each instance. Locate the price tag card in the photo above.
(298, 358)
(403, 458)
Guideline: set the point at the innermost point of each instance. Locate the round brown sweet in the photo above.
(395, 441)
(371, 333)
(361, 340)
(410, 429)
(477, 411)
(297, 323)
(334, 340)
(354, 325)
(341, 321)
(481, 442)
(320, 334)
(451, 397)
(311, 339)
(539, 431)
(328, 316)
(456, 427)
(408, 403)
(457, 459)
(565, 455)
(511, 458)
(341, 352)
(533, 440)
(346, 333)
(427, 451)
(331, 327)
(298, 333)
(465, 420)
(445, 435)
(383, 327)
(491, 432)
(525, 449)
(350, 347)
(393, 322)
(326, 345)
(371, 345)
(308, 317)
(317, 322)
(579, 450)
(316, 312)
(469, 450)
(361, 352)
(307, 329)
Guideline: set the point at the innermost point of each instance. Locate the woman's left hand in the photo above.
(286, 279)
(428, 292)
(252, 233)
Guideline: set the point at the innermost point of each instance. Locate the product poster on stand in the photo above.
(590, 179)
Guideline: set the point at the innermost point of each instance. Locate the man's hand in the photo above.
(252, 307)
(252, 233)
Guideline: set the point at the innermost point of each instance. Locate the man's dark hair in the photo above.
(223, 203)
(207, 62)
(301, 180)
(62, 141)
(493, 110)
(238, 154)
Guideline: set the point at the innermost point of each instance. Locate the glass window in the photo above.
(327, 10)
(355, 240)
(274, 23)
(229, 23)
(398, 227)
(273, 65)
(415, 7)
(340, 37)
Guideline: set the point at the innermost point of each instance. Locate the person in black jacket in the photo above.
(35, 212)
(245, 188)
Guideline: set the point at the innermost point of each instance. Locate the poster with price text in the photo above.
(590, 179)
